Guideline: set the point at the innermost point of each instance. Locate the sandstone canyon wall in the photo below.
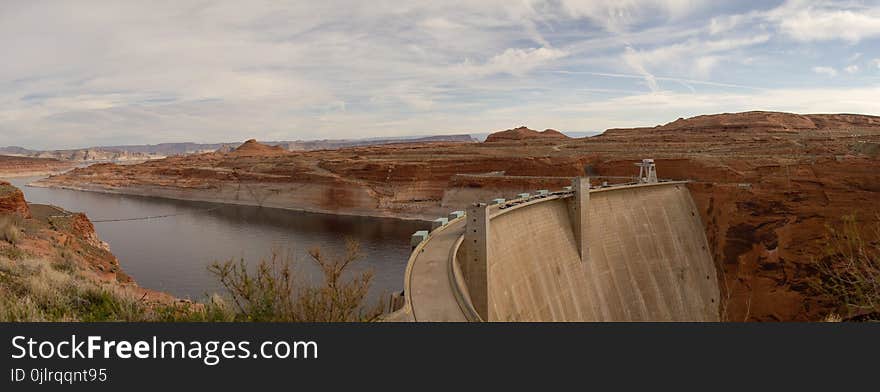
(766, 186)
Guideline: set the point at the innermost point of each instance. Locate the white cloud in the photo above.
(721, 24)
(620, 15)
(809, 21)
(705, 64)
(827, 71)
(514, 61)
(851, 69)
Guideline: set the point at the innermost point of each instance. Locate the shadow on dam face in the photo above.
(646, 258)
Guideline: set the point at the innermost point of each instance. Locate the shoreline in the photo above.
(39, 173)
(154, 290)
(406, 217)
(72, 166)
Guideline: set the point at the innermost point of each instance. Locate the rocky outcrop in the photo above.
(523, 133)
(252, 148)
(12, 200)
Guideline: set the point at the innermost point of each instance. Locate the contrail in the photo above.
(668, 79)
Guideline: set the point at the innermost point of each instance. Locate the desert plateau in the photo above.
(767, 186)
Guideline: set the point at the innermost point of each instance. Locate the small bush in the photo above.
(271, 292)
(849, 274)
(263, 295)
(337, 298)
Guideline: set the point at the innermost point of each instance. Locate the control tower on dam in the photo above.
(634, 252)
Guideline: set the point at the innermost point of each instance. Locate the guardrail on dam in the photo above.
(634, 252)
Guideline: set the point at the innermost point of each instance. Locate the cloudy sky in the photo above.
(89, 72)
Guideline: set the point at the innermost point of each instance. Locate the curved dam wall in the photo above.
(634, 252)
(535, 271)
(650, 258)
(647, 259)
(627, 253)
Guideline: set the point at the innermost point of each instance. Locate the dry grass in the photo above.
(849, 274)
(832, 318)
(10, 228)
(38, 290)
(31, 290)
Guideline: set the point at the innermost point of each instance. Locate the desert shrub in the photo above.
(849, 272)
(10, 228)
(272, 291)
(265, 294)
(338, 298)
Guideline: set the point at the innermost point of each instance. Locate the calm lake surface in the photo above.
(172, 253)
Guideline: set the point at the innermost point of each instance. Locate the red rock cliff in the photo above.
(12, 200)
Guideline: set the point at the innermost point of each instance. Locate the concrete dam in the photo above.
(634, 252)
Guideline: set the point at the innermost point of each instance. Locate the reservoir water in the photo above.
(171, 253)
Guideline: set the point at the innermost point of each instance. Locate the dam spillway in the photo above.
(623, 253)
